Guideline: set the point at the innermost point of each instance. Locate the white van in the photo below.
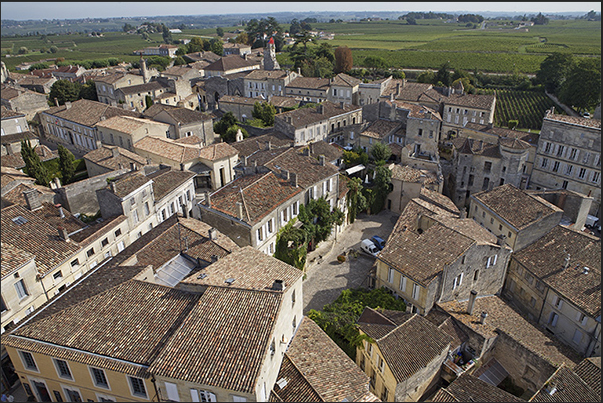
(369, 247)
(592, 222)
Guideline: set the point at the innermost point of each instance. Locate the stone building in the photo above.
(106, 85)
(125, 131)
(518, 216)
(270, 62)
(555, 282)
(481, 166)
(569, 156)
(230, 64)
(21, 100)
(433, 256)
(305, 125)
(183, 122)
(310, 89)
(408, 183)
(267, 83)
(344, 88)
(399, 339)
(111, 158)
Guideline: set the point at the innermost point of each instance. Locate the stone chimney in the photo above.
(57, 182)
(115, 152)
(471, 302)
(67, 104)
(322, 160)
(397, 89)
(239, 210)
(184, 210)
(182, 167)
(320, 109)
(56, 101)
(268, 145)
(213, 234)
(285, 174)
(299, 71)
(61, 213)
(99, 144)
(341, 104)
(112, 186)
(482, 317)
(566, 261)
(133, 167)
(307, 151)
(278, 285)
(293, 177)
(32, 198)
(63, 235)
(207, 199)
(463, 213)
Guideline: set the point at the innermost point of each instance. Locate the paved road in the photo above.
(326, 277)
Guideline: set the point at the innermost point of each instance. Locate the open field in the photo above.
(527, 107)
(426, 45)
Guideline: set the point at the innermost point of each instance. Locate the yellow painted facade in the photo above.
(405, 287)
(382, 381)
(81, 381)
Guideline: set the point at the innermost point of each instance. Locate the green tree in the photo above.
(325, 50)
(88, 91)
(323, 68)
(291, 245)
(33, 165)
(148, 101)
(339, 318)
(128, 27)
(222, 125)
(220, 32)
(231, 134)
(216, 46)
(554, 71)
(23, 50)
(179, 61)
(53, 49)
(265, 112)
(64, 90)
(355, 200)
(383, 186)
(582, 88)
(318, 219)
(381, 152)
(66, 164)
(343, 59)
(443, 75)
(167, 35)
(540, 19)
(355, 157)
(411, 21)
(375, 62)
(427, 77)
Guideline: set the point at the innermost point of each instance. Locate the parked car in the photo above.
(369, 247)
(592, 222)
(378, 241)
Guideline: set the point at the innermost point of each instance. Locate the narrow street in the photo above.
(326, 277)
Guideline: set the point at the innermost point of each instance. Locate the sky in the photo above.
(70, 10)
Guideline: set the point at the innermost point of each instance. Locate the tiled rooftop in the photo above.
(589, 370)
(297, 389)
(128, 124)
(418, 111)
(260, 195)
(266, 74)
(88, 113)
(503, 318)
(381, 128)
(103, 156)
(471, 101)
(591, 123)
(230, 62)
(182, 152)
(468, 388)
(180, 115)
(142, 88)
(224, 340)
(476, 147)
(142, 317)
(167, 180)
(125, 184)
(306, 116)
(345, 80)
(315, 83)
(545, 258)
(330, 372)
(515, 206)
(258, 143)
(398, 341)
(250, 269)
(570, 388)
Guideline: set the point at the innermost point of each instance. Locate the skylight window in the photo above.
(19, 220)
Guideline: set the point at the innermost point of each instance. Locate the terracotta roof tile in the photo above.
(230, 62)
(167, 180)
(258, 143)
(180, 115)
(13, 258)
(380, 128)
(332, 374)
(310, 83)
(297, 389)
(306, 116)
(141, 88)
(84, 326)
(515, 206)
(402, 357)
(267, 74)
(592, 123)
(503, 318)
(88, 113)
(570, 388)
(545, 258)
(15, 195)
(343, 79)
(104, 157)
(260, 195)
(472, 101)
(467, 388)
(229, 331)
(589, 370)
(129, 124)
(125, 184)
(182, 152)
(251, 270)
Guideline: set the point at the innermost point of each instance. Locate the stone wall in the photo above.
(80, 197)
(234, 229)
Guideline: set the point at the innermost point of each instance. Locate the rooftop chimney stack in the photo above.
(285, 174)
(213, 234)
(566, 262)
(32, 198)
(63, 234)
(482, 317)
(293, 177)
(268, 145)
(184, 210)
(397, 89)
(278, 285)
(239, 210)
(207, 199)
(115, 152)
(471, 303)
(322, 160)
(61, 213)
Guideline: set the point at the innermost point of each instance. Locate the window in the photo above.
(293, 299)
(90, 252)
(172, 391)
(556, 166)
(294, 209)
(544, 162)
(475, 275)
(58, 275)
(403, 284)
(135, 215)
(146, 209)
(285, 215)
(560, 151)
(573, 154)
(569, 169)
(553, 319)
(557, 302)
(104, 242)
(486, 184)
(118, 232)
(487, 166)
(269, 225)
(390, 276)
(57, 396)
(21, 290)
(577, 337)
(137, 386)
(595, 177)
(381, 364)
(121, 246)
(415, 291)
(4, 307)
(62, 369)
(370, 349)
(99, 378)
(582, 173)
(28, 361)
(72, 395)
(132, 201)
(458, 280)
(260, 234)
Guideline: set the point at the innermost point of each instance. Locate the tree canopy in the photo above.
(318, 219)
(582, 88)
(381, 152)
(291, 245)
(265, 112)
(66, 164)
(554, 71)
(33, 165)
(64, 91)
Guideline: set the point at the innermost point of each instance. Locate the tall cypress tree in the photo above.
(33, 165)
(66, 164)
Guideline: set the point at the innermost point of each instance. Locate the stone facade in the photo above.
(569, 157)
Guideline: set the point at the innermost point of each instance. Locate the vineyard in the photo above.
(527, 107)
